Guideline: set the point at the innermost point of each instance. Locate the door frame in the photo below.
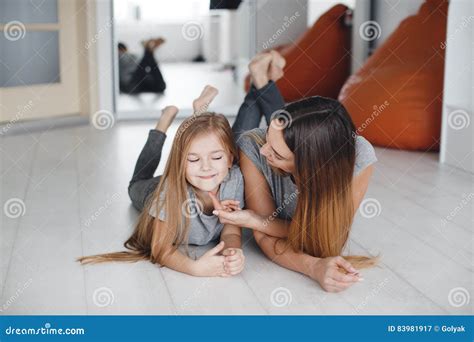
(95, 68)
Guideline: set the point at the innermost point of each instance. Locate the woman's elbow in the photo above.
(264, 242)
(258, 236)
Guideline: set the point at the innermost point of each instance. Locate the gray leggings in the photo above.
(257, 102)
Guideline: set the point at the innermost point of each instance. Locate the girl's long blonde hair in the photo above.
(321, 135)
(146, 242)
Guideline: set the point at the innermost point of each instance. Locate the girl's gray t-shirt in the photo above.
(284, 191)
(206, 228)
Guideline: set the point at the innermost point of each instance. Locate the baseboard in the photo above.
(46, 124)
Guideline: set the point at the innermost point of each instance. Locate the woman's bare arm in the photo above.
(259, 199)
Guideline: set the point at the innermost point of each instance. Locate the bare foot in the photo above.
(159, 41)
(276, 66)
(259, 68)
(201, 104)
(149, 44)
(167, 116)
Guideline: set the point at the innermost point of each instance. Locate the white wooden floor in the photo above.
(73, 184)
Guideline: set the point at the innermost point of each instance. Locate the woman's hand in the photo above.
(211, 263)
(229, 205)
(326, 271)
(234, 260)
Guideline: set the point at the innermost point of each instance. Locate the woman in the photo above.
(305, 176)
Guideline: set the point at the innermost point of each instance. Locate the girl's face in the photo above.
(208, 162)
(277, 152)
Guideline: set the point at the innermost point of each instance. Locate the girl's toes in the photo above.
(167, 116)
(202, 102)
(277, 59)
(260, 63)
(170, 111)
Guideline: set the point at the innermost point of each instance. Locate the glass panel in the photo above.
(29, 11)
(33, 59)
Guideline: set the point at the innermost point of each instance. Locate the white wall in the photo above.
(389, 14)
(278, 22)
(104, 62)
(176, 48)
(458, 109)
(317, 7)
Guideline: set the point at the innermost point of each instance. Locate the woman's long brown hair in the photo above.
(147, 242)
(321, 135)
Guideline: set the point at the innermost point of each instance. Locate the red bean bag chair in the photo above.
(318, 62)
(395, 98)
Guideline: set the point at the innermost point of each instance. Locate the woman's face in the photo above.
(207, 162)
(276, 151)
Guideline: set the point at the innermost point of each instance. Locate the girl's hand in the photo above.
(234, 260)
(227, 205)
(230, 205)
(211, 264)
(326, 272)
(240, 218)
(229, 212)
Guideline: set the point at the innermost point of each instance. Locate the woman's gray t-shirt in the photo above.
(206, 228)
(284, 191)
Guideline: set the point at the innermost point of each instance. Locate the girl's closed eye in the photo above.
(213, 158)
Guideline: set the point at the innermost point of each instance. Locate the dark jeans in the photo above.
(147, 77)
(257, 102)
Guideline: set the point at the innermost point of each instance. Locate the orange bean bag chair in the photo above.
(395, 98)
(318, 62)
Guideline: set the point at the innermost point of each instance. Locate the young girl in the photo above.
(199, 176)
